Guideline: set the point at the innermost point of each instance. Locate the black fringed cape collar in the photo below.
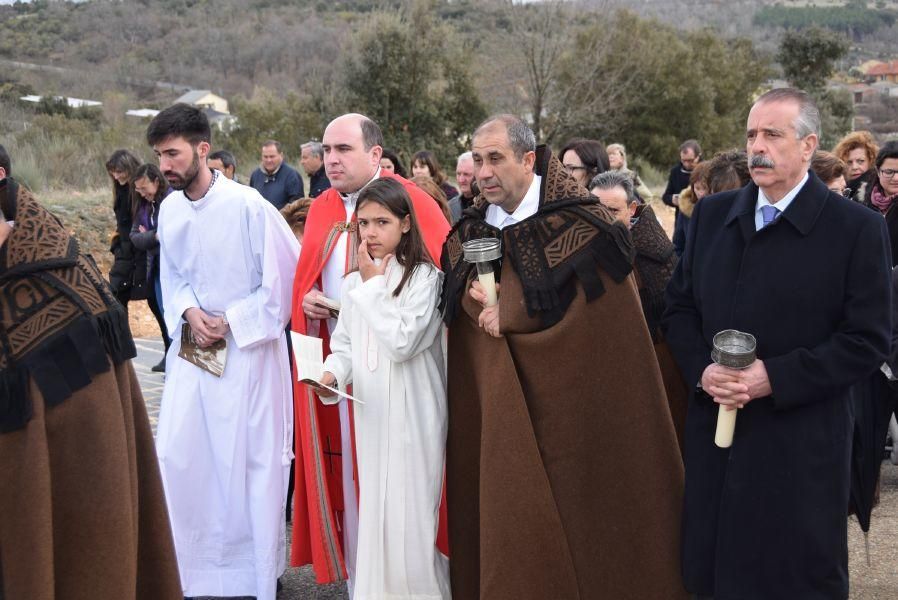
(569, 239)
(59, 323)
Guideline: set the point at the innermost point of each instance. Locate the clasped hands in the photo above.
(489, 316)
(734, 388)
(207, 329)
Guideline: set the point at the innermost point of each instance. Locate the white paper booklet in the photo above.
(308, 352)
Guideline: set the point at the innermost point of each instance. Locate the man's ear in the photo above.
(2, 173)
(529, 160)
(203, 150)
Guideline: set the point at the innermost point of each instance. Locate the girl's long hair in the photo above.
(392, 195)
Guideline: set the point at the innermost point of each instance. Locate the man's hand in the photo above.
(141, 229)
(477, 293)
(734, 388)
(725, 385)
(489, 320)
(327, 379)
(309, 308)
(221, 326)
(755, 377)
(203, 325)
(367, 268)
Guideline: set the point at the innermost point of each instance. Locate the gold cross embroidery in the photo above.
(343, 226)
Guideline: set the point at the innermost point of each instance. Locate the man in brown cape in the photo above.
(82, 512)
(563, 474)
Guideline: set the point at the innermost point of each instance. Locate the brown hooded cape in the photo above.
(563, 472)
(82, 510)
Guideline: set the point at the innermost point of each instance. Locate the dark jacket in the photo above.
(864, 194)
(121, 275)
(654, 264)
(677, 181)
(281, 188)
(318, 182)
(146, 245)
(765, 519)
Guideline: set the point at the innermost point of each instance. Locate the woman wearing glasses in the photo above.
(584, 159)
(882, 195)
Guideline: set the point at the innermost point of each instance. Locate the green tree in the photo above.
(657, 86)
(408, 74)
(808, 57)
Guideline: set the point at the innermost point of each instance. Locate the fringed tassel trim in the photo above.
(63, 364)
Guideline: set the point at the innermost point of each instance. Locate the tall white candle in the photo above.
(726, 424)
(488, 281)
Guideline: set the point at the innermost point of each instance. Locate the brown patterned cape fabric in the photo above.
(569, 238)
(59, 323)
(655, 263)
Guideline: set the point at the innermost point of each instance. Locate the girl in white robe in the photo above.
(388, 343)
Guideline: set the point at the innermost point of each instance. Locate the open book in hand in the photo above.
(309, 355)
(210, 359)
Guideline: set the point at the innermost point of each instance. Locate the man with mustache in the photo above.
(807, 273)
(325, 517)
(227, 262)
(563, 474)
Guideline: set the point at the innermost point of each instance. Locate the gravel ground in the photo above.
(880, 580)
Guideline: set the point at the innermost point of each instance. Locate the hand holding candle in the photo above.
(483, 252)
(734, 350)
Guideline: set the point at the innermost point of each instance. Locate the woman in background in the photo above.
(121, 167)
(426, 163)
(150, 188)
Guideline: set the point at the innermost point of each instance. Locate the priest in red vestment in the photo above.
(325, 514)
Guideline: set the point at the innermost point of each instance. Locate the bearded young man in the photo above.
(227, 263)
(325, 520)
(563, 474)
(808, 274)
(82, 512)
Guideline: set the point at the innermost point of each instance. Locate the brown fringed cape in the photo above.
(82, 510)
(563, 474)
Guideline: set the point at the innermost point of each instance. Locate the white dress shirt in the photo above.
(497, 217)
(782, 205)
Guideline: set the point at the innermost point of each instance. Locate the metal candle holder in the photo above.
(482, 252)
(736, 350)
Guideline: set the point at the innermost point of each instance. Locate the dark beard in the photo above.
(182, 183)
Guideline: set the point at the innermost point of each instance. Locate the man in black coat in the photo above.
(807, 273)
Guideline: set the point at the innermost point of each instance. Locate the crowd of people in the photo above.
(540, 424)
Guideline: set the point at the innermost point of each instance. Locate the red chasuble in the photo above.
(318, 492)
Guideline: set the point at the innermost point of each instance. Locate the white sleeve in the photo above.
(177, 295)
(263, 314)
(339, 361)
(406, 325)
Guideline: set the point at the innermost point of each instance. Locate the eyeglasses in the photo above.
(571, 168)
(887, 173)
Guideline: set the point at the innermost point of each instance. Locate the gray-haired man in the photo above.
(312, 161)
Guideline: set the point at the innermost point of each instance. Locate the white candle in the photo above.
(726, 424)
(488, 281)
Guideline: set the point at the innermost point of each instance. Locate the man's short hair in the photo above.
(5, 162)
(691, 145)
(612, 179)
(275, 143)
(227, 159)
(315, 148)
(520, 136)
(465, 156)
(180, 120)
(727, 171)
(808, 119)
(827, 166)
(371, 134)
